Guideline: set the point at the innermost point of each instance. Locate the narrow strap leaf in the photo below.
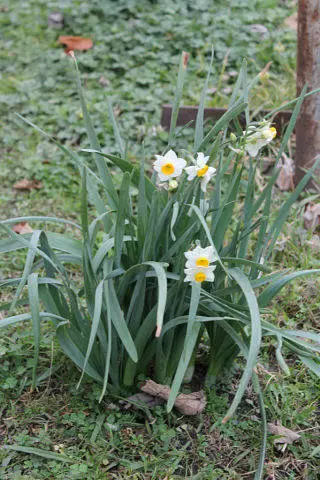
(94, 326)
(193, 329)
(255, 339)
(34, 306)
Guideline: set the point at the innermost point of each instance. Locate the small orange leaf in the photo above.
(22, 227)
(27, 185)
(75, 43)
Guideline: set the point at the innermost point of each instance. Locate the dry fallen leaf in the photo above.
(27, 185)
(285, 180)
(311, 216)
(285, 434)
(22, 227)
(292, 21)
(314, 242)
(75, 43)
(188, 404)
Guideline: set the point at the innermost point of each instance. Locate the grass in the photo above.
(134, 60)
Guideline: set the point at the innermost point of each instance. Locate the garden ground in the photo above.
(135, 60)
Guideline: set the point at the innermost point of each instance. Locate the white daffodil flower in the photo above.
(199, 274)
(199, 257)
(202, 170)
(259, 138)
(168, 166)
(198, 268)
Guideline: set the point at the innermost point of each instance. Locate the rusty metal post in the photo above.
(308, 72)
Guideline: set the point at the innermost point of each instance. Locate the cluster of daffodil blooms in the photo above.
(255, 138)
(130, 313)
(170, 166)
(198, 268)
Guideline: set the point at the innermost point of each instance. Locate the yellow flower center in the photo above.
(273, 131)
(200, 277)
(202, 171)
(167, 168)
(202, 262)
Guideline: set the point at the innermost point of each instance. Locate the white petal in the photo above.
(204, 182)
(198, 252)
(252, 149)
(191, 272)
(201, 160)
(210, 277)
(209, 253)
(206, 178)
(180, 162)
(159, 159)
(170, 156)
(192, 172)
(163, 177)
(179, 165)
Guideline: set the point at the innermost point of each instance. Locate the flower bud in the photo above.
(173, 185)
(233, 138)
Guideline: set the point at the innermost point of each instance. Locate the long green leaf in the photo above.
(34, 306)
(121, 218)
(6, 322)
(162, 293)
(193, 329)
(28, 266)
(94, 325)
(40, 453)
(33, 218)
(221, 124)
(198, 134)
(255, 339)
(116, 130)
(119, 323)
(275, 286)
(104, 172)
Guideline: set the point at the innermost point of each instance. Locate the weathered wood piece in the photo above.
(189, 113)
(308, 72)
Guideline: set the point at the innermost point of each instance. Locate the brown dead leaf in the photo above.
(188, 404)
(292, 21)
(75, 43)
(311, 216)
(285, 180)
(27, 185)
(22, 227)
(314, 242)
(285, 434)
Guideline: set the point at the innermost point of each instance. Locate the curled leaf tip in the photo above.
(225, 419)
(185, 57)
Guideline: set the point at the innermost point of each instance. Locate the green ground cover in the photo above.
(135, 60)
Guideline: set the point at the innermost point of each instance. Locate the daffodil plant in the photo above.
(182, 262)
